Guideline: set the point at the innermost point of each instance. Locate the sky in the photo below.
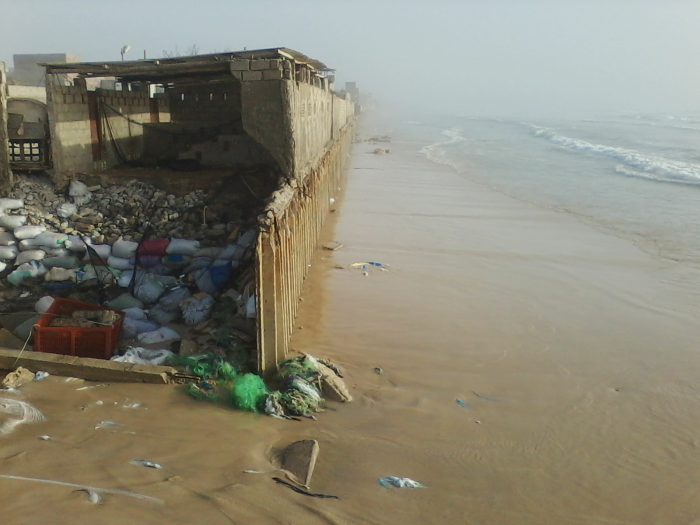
(509, 58)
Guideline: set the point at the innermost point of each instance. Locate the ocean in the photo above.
(637, 176)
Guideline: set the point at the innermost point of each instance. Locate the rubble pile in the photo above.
(158, 258)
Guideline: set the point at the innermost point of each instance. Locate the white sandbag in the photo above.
(250, 307)
(124, 249)
(144, 356)
(50, 239)
(3, 266)
(42, 305)
(162, 335)
(197, 308)
(11, 204)
(27, 232)
(119, 263)
(56, 252)
(212, 252)
(12, 221)
(66, 210)
(57, 274)
(125, 278)
(26, 271)
(8, 253)
(247, 239)
(29, 255)
(103, 251)
(7, 239)
(135, 313)
(75, 244)
(61, 261)
(182, 247)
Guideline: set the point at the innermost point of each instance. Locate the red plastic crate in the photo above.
(99, 342)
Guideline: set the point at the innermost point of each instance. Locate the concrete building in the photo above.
(28, 69)
(267, 116)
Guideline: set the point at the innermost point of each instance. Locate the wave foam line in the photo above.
(653, 167)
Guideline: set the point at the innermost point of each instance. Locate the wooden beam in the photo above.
(87, 368)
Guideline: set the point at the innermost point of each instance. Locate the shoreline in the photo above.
(574, 355)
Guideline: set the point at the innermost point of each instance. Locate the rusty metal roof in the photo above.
(153, 69)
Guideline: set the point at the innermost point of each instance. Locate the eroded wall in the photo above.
(5, 171)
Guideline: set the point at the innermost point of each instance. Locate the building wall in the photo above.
(124, 114)
(5, 171)
(209, 105)
(69, 125)
(32, 92)
(28, 72)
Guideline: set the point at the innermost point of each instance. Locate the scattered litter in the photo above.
(133, 405)
(45, 438)
(249, 393)
(485, 398)
(88, 489)
(146, 463)
(378, 370)
(299, 460)
(333, 246)
(108, 425)
(144, 356)
(400, 483)
(94, 497)
(20, 376)
(40, 376)
(304, 491)
(18, 412)
(365, 267)
(462, 403)
(89, 387)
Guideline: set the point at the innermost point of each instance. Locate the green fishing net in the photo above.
(249, 393)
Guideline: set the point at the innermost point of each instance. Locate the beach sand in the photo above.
(573, 354)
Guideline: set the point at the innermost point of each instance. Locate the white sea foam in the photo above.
(438, 152)
(642, 165)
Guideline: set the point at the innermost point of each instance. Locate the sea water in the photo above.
(637, 176)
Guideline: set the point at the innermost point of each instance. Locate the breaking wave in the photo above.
(438, 152)
(634, 163)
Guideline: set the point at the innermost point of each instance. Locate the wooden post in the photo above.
(5, 171)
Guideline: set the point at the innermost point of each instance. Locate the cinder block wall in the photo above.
(69, 122)
(208, 105)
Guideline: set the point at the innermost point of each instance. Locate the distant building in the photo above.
(28, 72)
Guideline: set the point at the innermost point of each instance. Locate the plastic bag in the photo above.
(144, 356)
(124, 249)
(28, 232)
(80, 193)
(197, 308)
(66, 210)
(29, 255)
(182, 247)
(162, 335)
(12, 221)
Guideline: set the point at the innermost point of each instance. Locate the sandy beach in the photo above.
(534, 369)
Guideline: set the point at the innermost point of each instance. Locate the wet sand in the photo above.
(574, 352)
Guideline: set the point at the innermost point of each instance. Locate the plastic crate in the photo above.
(99, 342)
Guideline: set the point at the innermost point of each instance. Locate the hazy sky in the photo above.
(483, 57)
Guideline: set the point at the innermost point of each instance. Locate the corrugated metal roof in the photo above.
(210, 63)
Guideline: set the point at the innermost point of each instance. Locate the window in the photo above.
(26, 151)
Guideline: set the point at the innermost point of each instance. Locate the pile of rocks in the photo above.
(106, 213)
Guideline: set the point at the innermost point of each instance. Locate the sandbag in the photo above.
(67, 262)
(124, 301)
(3, 266)
(212, 252)
(28, 232)
(7, 239)
(133, 327)
(136, 313)
(12, 221)
(182, 247)
(56, 252)
(50, 239)
(42, 305)
(124, 249)
(103, 251)
(26, 271)
(162, 335)
(75, 244)
(11, 204)
(197, 308)
(148, 289)
(8, 253)
(119, 263)
(170, 301)
(232, 252)
(29, 255)
(155, 247)
(161, 316)
(57, 274)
